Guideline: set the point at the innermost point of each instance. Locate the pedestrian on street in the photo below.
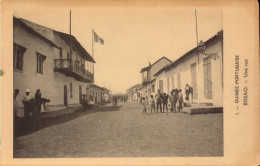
(37, 98)
(84, 102)
(91, 102)
(16, 93)
(165, 101)
(180, 100)
(144, 102)
(27, 103)
(158, 97)
(15, 113)
(152, 104)
(173, 100)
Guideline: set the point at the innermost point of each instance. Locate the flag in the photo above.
(98, 39)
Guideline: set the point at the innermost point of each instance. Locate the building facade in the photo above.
(135, 92)
(204, 73)
(148, 78)
(100, 94)
(51, 61)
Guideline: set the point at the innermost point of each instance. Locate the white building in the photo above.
(42, 60)
(199, 70)
(148, 78)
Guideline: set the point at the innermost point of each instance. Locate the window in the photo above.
(207, 78)
(40, 60)
(18, 57)
(60, 53)
(82, 61)
(71, 90)
(153, 88)
(68, 55)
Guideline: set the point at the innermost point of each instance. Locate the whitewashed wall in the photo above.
(51, 83)
(184, 68)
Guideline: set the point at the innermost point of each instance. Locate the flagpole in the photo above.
(197, 35)
(70, 42)
(93, 51)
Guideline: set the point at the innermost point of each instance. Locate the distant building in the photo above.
(100, 94)
(135, 92)
(199, 70)
(148, 78)
(42, 60)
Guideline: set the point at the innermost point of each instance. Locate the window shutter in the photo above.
(209, 79)
(205, 64)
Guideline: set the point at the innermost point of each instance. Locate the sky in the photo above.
(132, 36)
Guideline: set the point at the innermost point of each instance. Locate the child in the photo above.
(152, 104)
(144, 102)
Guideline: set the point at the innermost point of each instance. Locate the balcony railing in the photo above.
(74, 69)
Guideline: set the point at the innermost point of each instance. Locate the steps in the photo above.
(202, 108)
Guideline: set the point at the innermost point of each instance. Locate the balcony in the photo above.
(73, 69)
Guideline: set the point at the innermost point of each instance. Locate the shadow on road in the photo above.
(40, 122)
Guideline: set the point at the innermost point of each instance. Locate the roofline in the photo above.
(35, 32)
(92, 60)
(96, 86)
(167, 67)
(155, 63)
(86, 52)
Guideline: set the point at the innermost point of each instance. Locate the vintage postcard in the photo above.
(129, 83)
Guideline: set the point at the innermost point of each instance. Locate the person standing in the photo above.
(152, 104)
(180, 100)
(144, 102)
(37, 98)
(27, 102)
(91, 102)
(165, 101)
(173, 99)
(16, 93)
(187, 92)
(158, 97)
(16, 118)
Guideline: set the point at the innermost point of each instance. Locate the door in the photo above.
(194, 80)
(65, 95)
(80, 94)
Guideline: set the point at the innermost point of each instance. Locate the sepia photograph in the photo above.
(129, 83)
(123, 82)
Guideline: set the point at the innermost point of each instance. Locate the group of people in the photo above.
(162, 100)
(116, 99)
(32, 106)
(87, 103)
